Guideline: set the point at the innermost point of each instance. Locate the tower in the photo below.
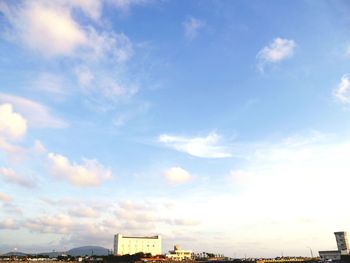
(342, 242)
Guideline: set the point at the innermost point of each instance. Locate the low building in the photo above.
(179, 254)
(124, 245)
(331, 255)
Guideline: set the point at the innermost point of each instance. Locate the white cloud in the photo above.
(89, 173)
(8, 223)
(49, 28)
(192, 26)
(280, 49)
(12, 125)
(60, 223)
(177, 175)
(46, 28)
(342, 92)
(204, 147)
(147, 216)
(11, 176)
(5, 198)
(37, 115)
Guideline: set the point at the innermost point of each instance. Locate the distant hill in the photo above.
(51, 254)
(18, 254)
(88, 250)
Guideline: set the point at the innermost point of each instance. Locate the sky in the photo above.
(222, 126)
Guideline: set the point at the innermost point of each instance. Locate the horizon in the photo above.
(219, 125)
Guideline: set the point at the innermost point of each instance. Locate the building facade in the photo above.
(179, 254)
(331, 255)
(124, 245)
(342, 242)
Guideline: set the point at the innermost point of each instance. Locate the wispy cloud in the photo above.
(59, 223)
(192, 26)
(89, 173)
(84, 75)
(83, 212)
(37, 115)
(204, 147)
(125, 5)
(5, 198)
(11, 208)
(342, 92)
(177, 175)
(278, 50)
(51, 83)
(11, 176)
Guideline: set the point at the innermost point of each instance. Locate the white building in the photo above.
(124, 245)
(179, 254)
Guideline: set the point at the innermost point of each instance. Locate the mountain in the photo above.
(88, 250)
(18, 254)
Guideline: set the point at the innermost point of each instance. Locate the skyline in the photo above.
(219, 125)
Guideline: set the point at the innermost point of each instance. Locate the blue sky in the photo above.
(220, 125)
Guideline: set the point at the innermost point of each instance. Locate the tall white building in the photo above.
(124, 245)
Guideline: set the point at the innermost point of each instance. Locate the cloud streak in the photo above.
(203, 147)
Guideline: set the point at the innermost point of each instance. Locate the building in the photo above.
(124, 245)
(179, 254)
(343, 248)
(330, 255)
(342, 242)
